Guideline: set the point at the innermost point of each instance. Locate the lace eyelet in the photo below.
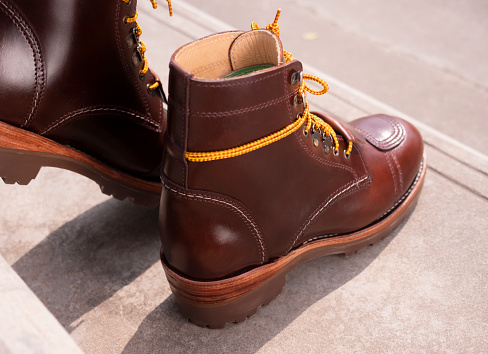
(316, 136)
(297, 99)
(127, 3)
(305, 132)
(151, 92)
(326, 143)
(347, 156)
(297, 77)
(131, 39)
(336, 152)
(137, 58)
(125, 20)
(141, 76)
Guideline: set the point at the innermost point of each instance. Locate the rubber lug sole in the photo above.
(23, 154)
(213, 304)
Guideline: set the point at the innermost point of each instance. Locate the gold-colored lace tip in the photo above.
(170, 7)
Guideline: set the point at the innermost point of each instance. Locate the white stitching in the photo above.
(408, 192)
(240, 81)
(313, 216)
(242, 110)
(209, 67)
(400, 175)
(395, 186)
(228, 204)
(414, 183)
(92, 110)
(32, 40)
(398, 135)
(128, 71)
(192, 46)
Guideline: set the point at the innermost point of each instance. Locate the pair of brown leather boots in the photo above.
(250, 182)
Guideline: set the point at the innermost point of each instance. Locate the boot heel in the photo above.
(18, 167)
(213, 304)
(18, 163)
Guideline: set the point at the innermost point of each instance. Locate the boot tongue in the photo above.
(253, 51)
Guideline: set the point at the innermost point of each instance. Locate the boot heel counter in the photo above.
(22, 76)
(207, 236)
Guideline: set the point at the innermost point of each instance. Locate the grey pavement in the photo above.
(425, 58)
(93, 261)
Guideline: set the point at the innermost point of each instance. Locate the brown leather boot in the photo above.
(254, 184)
(76, 93)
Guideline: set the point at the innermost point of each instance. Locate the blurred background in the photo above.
(427, 59)
(94, 261)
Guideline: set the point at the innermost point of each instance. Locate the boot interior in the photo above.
(231, 54)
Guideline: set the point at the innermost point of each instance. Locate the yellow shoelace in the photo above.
(309, 119)
(142, 49)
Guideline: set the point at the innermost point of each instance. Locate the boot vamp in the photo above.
(392, 151)
(117, 141)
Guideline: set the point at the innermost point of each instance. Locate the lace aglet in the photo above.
(277, 17)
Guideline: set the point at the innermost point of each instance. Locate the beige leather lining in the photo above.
(217, 55)
(255, 48)
(208, 58)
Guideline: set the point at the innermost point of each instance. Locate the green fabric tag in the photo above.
(248, 70)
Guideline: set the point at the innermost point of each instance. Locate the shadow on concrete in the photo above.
(165, 330)
(87, 260)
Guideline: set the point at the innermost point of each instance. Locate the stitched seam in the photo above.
(176, 105)
(242, 110)
(400, 175)
(396, 128)
(91, 110)
(231, 206)
(209, 67)
(190, 48)
(185, 130)
(383, 142)
(389, 210)
(219, 84)
(386, 143)
(407, 193)
(387, 156)
(399, 131)
(128, 72)
(319, 237)
(322, 160)
(233, 57)
(389, 142)
(367, 173)
(161, 116)
(38, 62)
(335, 196)
(252, 34)
(319, 159)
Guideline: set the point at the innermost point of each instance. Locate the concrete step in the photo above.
(93, 261)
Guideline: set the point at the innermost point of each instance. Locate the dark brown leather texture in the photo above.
(223, 217)
(67, 73)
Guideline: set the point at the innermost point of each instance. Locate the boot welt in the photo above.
(214, 303)
(23, 153)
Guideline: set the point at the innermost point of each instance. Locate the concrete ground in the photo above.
(425, 58)
(93, 261)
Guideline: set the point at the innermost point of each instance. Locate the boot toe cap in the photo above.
(400, 143)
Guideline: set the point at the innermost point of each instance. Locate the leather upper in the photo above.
(219, 218)
(67, 73)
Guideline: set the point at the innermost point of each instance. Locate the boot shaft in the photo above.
(71, 68)
(267, 189)
(234, 211)
(210, 112)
